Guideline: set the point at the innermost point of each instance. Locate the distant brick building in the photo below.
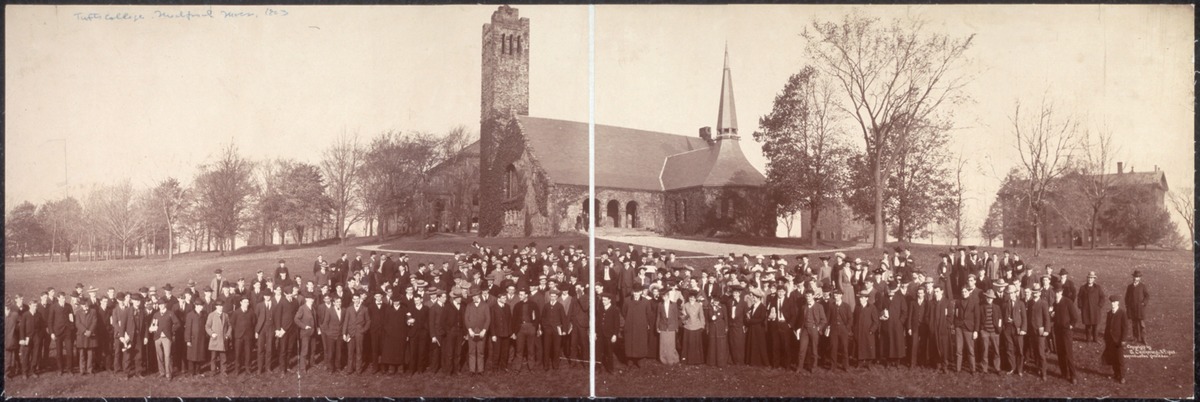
(1017, 230)
(533, 172)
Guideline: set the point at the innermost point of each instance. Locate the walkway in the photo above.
(709, 248)
(381, 250)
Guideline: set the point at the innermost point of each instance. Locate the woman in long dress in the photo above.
(718, 342)
(895, 309)
(693, 330)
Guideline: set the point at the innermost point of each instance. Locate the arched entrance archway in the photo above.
(614, 213)
(631, 215)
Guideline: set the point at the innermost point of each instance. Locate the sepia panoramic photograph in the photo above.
(482, 201)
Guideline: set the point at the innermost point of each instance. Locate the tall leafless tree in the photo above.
(890, 75)
(118, 214)
(956, 207)
(1046, 143)
(166, 200)
(1183, 201)
(342, 165)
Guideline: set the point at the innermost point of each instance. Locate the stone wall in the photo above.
(718, 211)
(566, 204)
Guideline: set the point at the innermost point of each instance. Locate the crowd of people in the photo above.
(988, 313)
(484, 310)
(529, 309)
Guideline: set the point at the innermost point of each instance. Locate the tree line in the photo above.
(381, 185)
(896, 86)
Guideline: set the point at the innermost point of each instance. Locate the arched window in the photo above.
(510, 181)
(504, 43)
(518, 45)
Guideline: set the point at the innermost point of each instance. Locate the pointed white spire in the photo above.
(727, 114)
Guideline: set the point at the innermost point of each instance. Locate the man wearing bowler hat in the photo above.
(1137, 296)
(1091, 300)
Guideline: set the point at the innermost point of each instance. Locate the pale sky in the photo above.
(156, 97)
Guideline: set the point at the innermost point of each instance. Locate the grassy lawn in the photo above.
(1169, 274)
(316, 383)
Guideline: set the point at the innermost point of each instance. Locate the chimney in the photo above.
(706, 134)
(1120, 167)
(1155, 168)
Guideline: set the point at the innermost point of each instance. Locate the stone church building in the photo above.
(533, 172)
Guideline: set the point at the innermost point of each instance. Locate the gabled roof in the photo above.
(1154, 178)
(625, 158)
(1127, 179)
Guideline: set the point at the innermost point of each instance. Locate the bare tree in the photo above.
(891, 76)
(224, 188)
(1046, 144)
(956, 205)
(166, 200)
(342, 164)
(1183, 201)
(118, 214)
(1095, 188)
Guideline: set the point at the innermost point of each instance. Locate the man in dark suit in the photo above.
(354, 330)
(782, 311)
(501, 331)
(608, 325)
(162, 330)
(1038, 316)
(839, 317)
(1116, 330)
(810, 322)
(455, 333)
(286, 321)
(918, 329)
(1137, 296)
(137, 341)
(525, 315)
(62, 329)
(1065, 317)
(306, 326)
(554, 321)
(375, 309)
(1013, 329)
(33, 332)
(940, 316)
(12, 340)
(265, 330)
(242, 321)
(966, 329)
(331, 333)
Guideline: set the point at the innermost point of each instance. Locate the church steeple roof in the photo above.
(727, 115)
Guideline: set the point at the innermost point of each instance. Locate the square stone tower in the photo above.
(505, 84)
